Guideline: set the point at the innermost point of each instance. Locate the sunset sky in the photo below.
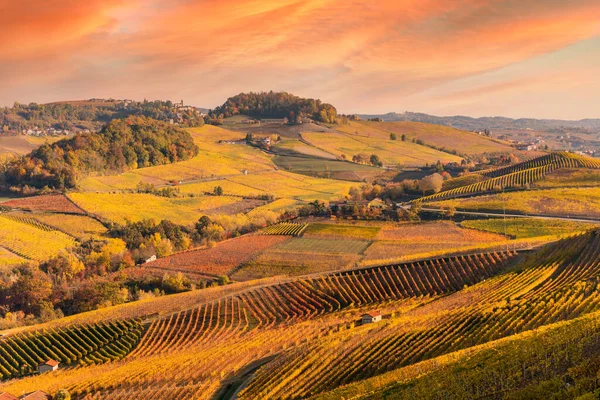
(517, 58)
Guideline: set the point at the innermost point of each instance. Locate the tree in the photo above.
(31, 288)
(218, 191)
(374, 159)
(202, 225)
(62, 394)
(431, 184)
(403, 137)
(393, 136)
(448, 211)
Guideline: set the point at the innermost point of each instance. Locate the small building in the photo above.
(153, 258)
(48, 366)
(7, 396)
(371, 317)
(37, 395)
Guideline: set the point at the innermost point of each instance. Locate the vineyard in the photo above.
(83, 345)
(307, 338)
(285, 229)
(552, 290)
(219, 260)
(571, 202)
(517, 175)
(31, 239)
(51, 203)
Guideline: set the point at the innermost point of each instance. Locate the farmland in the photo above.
(391, 152)
(527, 228)
(52, 203)
(30, 239)
(439, 136)
(574, 202)
(120, 207)
(219, 260)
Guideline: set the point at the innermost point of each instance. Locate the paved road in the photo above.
(537, 216)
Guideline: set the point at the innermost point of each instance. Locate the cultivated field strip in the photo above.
(83, 345)
(284, 228)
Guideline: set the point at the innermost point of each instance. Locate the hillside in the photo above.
(431, 309)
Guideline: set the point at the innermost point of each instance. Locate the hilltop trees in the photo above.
(122, 145)
(276, 105)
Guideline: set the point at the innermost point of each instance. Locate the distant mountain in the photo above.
(473, 124)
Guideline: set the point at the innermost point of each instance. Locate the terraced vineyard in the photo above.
(83, 345)
(518, 175)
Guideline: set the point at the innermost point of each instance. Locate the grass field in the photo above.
(573, 202)
(121, 207)
(31, 241)
(437, 135)
(527, 228)
(391, 152)
(327, 168)
(302, 148)
(570, 178)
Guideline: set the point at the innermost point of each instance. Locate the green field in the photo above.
(528, 227)
(326, 168)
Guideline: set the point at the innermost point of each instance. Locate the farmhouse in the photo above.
(371, 317)
(37, 395)
(7, 396)
(48, 366)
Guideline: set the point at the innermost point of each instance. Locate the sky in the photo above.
(515, 58)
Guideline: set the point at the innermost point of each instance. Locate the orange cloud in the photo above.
(339, 50)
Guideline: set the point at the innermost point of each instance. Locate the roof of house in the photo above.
(37, 395)
(372, 314)
(7, 396)
(50, 363)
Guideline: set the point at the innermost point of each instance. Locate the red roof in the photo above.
(374, 314)
(51, 363)
(7, 396)
(37, 395)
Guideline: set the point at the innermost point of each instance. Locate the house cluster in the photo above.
(361, 208)
(48, 132)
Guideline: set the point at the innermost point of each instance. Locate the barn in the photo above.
(48, 366)
(371, 317)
